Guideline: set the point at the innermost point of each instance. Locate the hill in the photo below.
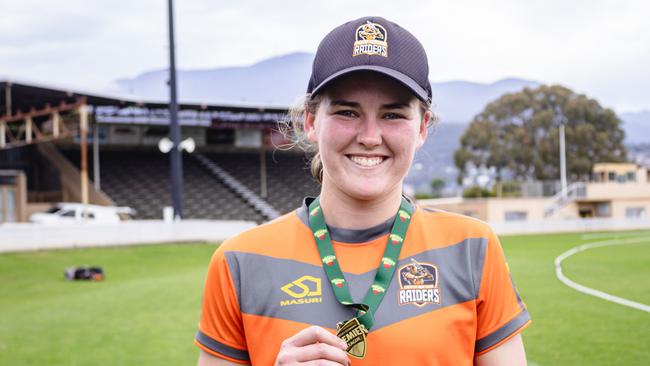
(637, 127)
(278, 81)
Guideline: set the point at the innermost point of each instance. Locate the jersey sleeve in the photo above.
(501, 312)
(221, 332)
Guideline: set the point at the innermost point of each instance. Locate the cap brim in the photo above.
(419, 91)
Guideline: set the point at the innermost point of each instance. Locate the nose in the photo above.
(369, 132)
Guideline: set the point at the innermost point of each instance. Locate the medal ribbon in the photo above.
(385, 271)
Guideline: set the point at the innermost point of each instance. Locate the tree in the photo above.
(519, 133)
(437, 185)
(477, 192)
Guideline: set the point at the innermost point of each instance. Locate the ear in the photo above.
(310, 127)
(423, 132)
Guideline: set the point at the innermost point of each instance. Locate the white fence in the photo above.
(24, 237)
(569, 225)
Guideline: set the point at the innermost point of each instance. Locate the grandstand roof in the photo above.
(25, 96)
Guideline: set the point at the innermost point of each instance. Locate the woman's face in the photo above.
(367, 128)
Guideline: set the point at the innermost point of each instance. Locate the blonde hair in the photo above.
(293, 128)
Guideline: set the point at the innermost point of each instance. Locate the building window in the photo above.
(631, 177)
(635, 212)
(218, 136)
(598, 177)
(156, 131)
(603, 209)
(248, 138)
(611, 177)
(516, 215)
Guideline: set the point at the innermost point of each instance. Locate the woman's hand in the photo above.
(313, 346)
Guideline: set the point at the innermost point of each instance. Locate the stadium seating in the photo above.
(288, 176)
(140, 179)
(251, 198)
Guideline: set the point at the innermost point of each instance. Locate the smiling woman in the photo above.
(294, 125)
(367, 127)
(360, 271)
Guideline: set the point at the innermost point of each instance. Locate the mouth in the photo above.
(367, 161)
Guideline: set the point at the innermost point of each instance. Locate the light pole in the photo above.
(562, 161)
(176, 163)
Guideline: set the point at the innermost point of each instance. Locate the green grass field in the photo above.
(146, 312)
(571, 328)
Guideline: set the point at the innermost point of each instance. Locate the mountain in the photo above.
(278, 81)
(460, 101)
(636, 126)
(273, 82)
(435, 159)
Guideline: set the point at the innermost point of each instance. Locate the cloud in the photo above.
(599, 47)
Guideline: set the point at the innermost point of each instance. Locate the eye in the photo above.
(394, 115)
(346, 113)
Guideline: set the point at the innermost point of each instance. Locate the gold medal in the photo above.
(354, 334)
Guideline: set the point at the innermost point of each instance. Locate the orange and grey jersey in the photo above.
(451, 297)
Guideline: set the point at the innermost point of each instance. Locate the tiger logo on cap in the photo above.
(371, 39)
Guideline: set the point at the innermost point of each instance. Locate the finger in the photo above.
(315, 334)
(321, 351)
(323, 363)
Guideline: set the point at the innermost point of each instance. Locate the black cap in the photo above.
(373, 44)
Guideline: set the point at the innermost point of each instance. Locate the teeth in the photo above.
(366, 161)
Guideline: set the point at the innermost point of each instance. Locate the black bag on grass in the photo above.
(84, 273)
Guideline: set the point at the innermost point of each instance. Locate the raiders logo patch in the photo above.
(418, 283)
(371, 39)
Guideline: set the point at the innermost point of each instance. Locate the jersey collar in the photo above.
(347, 235)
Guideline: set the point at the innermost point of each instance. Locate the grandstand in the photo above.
(235, 174)
(140, 179)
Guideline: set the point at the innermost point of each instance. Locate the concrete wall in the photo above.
(495, 209)
(477, 207)
(532, 207)
(29, 237)
(26, 237)
(13, 196)
(570, 211)
(569, 226)
(612, 191)
(619, 207)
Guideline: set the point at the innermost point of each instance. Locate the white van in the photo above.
(70, 212)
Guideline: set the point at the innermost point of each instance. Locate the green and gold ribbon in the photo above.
(385, 271)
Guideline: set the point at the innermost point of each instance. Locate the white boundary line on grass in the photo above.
(615, 235)
(593, 292)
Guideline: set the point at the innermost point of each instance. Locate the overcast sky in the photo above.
(601, 48)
